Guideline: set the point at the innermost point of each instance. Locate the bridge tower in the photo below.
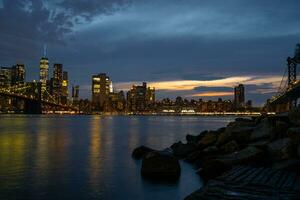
(34, 106)
(292, 71)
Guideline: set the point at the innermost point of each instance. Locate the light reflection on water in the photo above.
(89, 157)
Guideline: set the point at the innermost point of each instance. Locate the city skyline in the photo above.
(200, 47)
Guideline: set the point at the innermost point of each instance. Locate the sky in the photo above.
(192, 48)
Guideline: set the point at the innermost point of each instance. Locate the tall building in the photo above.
(64, 88)
(18, 74)
(75, 93)
(239, 96)
(100, 90)
(57, 80)
(5, 76)
(44, 70)
(140, 97)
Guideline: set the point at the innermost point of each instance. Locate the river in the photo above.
(89, 157)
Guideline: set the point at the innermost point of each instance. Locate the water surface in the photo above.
(89, 157)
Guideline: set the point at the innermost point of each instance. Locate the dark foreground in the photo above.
(255, 158)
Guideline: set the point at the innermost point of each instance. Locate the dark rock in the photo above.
(294, 134)
(195, 138)
(262, 130)
(239, 131)
(160, 165)
(210, 150)
(196, 155)
(229, 147)
(212, 169)
(260, 144)
(209, 139)
(282, 149)
(141, 151)
(241, 134)
(182, 150)
(249, 155)
(280, 130)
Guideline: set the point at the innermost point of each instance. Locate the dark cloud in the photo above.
(152, 40)
(82, 9)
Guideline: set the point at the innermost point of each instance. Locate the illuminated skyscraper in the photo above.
(100, 89)
(57, 81)
(44, 71)
(64, 88)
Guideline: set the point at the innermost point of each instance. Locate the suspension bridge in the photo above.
(288, 92)
(36, 100)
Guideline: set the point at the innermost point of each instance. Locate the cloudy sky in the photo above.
(192, 48)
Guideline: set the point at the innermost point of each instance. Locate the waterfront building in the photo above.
(18, 74)
(101, 87)
(140, 97)
(115, 102)
(239, 96)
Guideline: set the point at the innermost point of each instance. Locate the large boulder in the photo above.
(249, 155)
(282, 149)
(141, 151)
(241, 134)
(160, 165)
(209, 139)
(195, 138)
(182, 150)
(229, 147)
(294, 134)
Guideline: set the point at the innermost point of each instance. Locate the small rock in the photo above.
(160, 165)
(141, 151)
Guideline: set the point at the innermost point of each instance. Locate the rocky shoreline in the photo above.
(231, 159)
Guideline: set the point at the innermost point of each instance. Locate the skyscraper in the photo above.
(75, 93)
(64, 88)
(44, 71)
(100, 90)
(5, 76)
(239, 96)
(57, 79)
(18, 74)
